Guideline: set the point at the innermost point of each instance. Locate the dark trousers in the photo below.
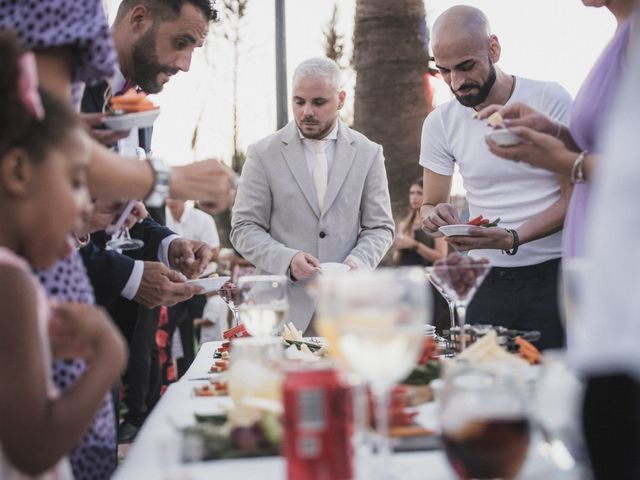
(141, 381)
(611, 421)
(181, 316)
(522, 298)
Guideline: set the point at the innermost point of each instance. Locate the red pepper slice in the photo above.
(476, 221)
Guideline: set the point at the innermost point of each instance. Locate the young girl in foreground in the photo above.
(43, 168)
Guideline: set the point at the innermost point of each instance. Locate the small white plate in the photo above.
(127, 121)
(333, 267)
(461, 230)
(209, 284)
(503, 137)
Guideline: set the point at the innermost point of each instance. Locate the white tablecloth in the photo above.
(149, 457)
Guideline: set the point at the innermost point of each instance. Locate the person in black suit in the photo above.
(144, 64)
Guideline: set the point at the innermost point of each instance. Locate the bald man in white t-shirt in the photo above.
(521, 290)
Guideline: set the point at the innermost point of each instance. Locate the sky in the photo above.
(542, 39)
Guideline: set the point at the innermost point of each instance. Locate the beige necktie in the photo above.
(320, 170)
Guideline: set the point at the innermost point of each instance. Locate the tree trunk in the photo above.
(391, 103)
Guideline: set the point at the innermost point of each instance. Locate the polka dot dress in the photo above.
(95, 457)
(81, 25)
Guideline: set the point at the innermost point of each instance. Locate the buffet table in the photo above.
(153, 455)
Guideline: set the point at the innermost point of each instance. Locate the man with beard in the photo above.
(154, 39)
(313, 192)
(521, 289)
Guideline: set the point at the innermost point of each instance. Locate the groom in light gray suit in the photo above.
(315, 191)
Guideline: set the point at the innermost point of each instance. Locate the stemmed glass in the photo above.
(120, 237)
(378, 320)
(229, 294)
(485, 425)
(450, 303)
(460, 277)
(264, 303)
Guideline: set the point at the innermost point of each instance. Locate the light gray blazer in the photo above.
(276, 213)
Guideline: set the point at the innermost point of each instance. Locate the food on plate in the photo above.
(480, 221)
(487, 350)
(262, 437)
(219, 366)
(213, 389)
(238, 331)
(495, 120)
(131, 101)
(527, 351)
(291, 336)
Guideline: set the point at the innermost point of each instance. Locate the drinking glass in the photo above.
(450, 303)
(460, 277)
(229, 294)
(485, 425)
(120, 237)
(255, 370)
(376, 325)
(264, 303)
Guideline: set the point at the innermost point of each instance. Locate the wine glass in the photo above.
(229, 294)
(485, 425)
(436, 284)
(264, 303)
(460, 277)
(120, 237)
(378, 320)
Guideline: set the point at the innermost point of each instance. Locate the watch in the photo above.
(161, 182)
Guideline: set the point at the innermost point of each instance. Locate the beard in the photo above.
(146, 65)
(483, 90)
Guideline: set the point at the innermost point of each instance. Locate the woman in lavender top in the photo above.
(572, 152)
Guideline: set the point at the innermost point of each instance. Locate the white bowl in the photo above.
(461, 230)
(503, 137)
(210, 284)
(127, 121)
(333, 267)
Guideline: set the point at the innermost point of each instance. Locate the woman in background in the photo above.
(415, 247)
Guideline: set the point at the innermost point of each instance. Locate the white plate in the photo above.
(504, 137)
(461, 230)
(131, 120)
(333, 267)
(209, 284)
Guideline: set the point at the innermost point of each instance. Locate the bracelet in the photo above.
(577, 171)
(161, 182)
(516, 242)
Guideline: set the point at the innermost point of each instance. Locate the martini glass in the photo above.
(460, 277)
(450, 303)
(229, 293)
(264, 303)
(120, 237)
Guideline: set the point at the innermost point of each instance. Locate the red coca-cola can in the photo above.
(317, 423)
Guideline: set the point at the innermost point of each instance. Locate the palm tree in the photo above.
(391, 102)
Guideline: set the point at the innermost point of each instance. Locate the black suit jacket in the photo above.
(109, 271)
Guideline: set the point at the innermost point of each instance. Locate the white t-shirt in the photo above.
(495, 187)
(194, 225)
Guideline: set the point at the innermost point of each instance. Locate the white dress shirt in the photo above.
(329, 149)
